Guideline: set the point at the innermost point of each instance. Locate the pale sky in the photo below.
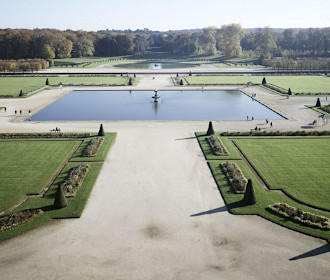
(162, 15)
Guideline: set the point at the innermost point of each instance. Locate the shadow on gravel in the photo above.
(187, 138)
(212, 211)
(227, 207)
(307, 126)
(312, 253)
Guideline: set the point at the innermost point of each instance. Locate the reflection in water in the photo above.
(155, 66)
(138, 105)
(155, 104)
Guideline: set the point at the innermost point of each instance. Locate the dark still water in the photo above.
(139, 105)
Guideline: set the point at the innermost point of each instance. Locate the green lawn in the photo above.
(299, 84)
(13, 85)
(301, 167)
(80, 80)
(101, 153)
(264, 199)
(29, 171)
(26, 168)
(208, 153)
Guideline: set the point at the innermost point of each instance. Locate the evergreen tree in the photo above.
(249, 196)
(190, 73)
(289, 91)
(318, 103)
(210, 130)
(130, 81)
(21, 93)
(181, 82)
(101, 131)
(47, 82)
(264, 81)
(60, 200)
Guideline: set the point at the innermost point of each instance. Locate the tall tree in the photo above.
(229, 40)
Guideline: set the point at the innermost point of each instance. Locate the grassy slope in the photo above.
(298, 166)
(25, 167)
(312, 84)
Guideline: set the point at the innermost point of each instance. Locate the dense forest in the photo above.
(229, 41)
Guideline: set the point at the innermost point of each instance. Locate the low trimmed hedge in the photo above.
(93, 146)
(13, 220)
(300, 216)
(217, 146)
(326, 108)
(235, 176)
(74, 180)
(44, 135)
(277, 133)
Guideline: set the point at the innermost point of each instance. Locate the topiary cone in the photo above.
(101, 131)
(60, 200)
(318, 103)
(249, 196)
(264, 81)
(210, 130)
(289, 91)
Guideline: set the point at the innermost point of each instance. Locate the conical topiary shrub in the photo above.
(130, 81)
(264, 81)
(101, 131)
(181, 82)
(47, 82)
(21, 93)
(60, 200)
(249, 196)
(210, 130)
(318, 103)
(289, 91)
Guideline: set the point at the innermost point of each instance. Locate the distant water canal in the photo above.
(139, 105)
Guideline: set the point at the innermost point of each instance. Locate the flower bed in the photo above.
(93, 146)
(235, 176)
(277, 133)
(43, 135)
(217, 146)
(16, 219)
(74, 180)
(300, 216)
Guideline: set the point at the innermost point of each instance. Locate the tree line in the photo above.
(230, 40)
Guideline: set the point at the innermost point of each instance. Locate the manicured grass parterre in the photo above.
(77, 203)
(12, 85)
(298, 84)
(299, 165)
(26, 168)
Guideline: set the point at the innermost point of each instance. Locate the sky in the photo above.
(93, 15)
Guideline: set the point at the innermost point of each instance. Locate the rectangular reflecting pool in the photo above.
(139, 105)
